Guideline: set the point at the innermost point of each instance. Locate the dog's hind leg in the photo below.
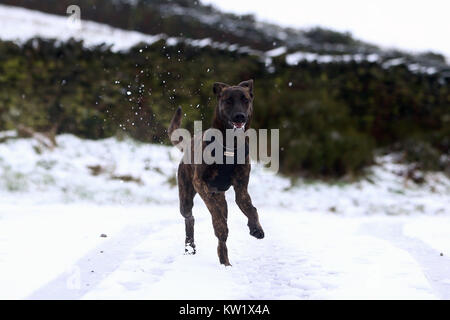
(217, 206)
(187, 194)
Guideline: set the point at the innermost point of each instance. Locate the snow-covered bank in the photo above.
(20, 25)
(377, 238)
(130, 173)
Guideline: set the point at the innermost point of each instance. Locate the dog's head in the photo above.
(235, 105)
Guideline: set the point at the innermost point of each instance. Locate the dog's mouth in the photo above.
(238, 125)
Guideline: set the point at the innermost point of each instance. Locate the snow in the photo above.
(432, 230)
(296, 57)
(379, 238)
(20, 25)
(276, 52)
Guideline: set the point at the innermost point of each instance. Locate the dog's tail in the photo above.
(175, 124)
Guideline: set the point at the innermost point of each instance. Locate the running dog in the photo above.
(233, 111)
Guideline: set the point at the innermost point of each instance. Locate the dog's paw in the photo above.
(256, 231)
(189, 249)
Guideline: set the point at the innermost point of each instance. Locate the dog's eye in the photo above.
(229, 101)
(245, 100)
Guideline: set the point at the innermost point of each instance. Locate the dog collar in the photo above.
(231, 152)
(228, 153)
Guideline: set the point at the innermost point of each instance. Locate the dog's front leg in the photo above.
(243, 200)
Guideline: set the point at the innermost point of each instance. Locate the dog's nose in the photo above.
(239, 117)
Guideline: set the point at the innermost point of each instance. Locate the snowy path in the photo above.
(435, 267)
(92, 267)
(306, 256)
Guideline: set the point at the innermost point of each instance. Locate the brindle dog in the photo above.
(234, 110)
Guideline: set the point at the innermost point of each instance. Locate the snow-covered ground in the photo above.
(381, 237)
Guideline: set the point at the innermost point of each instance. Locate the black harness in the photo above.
(222, 181)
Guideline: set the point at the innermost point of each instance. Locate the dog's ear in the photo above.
(218, 88)
(249, 85)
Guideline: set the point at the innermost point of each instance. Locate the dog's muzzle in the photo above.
(238, 121)
(238, 125)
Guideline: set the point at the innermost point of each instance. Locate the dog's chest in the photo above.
(219, 176)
